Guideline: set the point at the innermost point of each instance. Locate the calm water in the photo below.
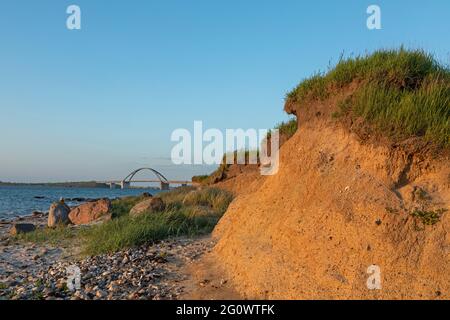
(19, 201)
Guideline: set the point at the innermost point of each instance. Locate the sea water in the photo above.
(23, 200)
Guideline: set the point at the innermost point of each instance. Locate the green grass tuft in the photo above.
(122, 206)
(56, 236)
(126, 231)
(402, 93)
(215, 199)
(196, 216)
(288, 128)
(189, 212)
(199, 179)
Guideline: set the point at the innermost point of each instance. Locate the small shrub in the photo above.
(391, 210)
(429, 217)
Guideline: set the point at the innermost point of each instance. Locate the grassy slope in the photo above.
(402, 93)
(188, 212)
(286, 129)
(237, 157)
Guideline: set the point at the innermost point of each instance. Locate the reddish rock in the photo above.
(90, 212)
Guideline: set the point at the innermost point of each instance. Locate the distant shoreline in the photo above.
(87, 184)
(82, 184)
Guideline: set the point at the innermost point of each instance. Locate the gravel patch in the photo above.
(151, 272)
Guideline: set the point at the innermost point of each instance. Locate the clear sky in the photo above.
(98, 102)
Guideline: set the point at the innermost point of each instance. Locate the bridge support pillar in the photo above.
(165, 186)
(124, 185)
(113, 185)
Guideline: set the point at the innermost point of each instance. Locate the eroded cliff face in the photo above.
(337, 206)
(243, 178)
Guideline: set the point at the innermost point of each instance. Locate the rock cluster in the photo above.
(149, 272)
(94, 210)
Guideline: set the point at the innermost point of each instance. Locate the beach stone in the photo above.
(78, 199)
(89, 212)
(18, 228)
(146, 195)
(143, 276)
(58, 214)
(150, 205)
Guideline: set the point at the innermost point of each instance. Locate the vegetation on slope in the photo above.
(189, 212)
(239, 157)
(288, 128)
(402, 93)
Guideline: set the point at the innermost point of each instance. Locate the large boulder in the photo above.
(58, 214)
(89, 212)
(150, 205)
(18, 228)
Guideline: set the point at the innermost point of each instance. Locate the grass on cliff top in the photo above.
(237, 157)
(189, 212)
(401, 93)
(287, 128)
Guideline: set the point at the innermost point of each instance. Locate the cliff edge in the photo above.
(361, 183)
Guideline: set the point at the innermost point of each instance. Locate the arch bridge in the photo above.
(159, 178)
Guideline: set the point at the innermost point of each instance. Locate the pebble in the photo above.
(142, 273)
(100, 294)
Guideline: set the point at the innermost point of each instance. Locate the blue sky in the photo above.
(99, 102)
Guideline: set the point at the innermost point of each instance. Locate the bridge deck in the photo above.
(149, 181)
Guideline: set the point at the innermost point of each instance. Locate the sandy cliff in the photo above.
(340, 203)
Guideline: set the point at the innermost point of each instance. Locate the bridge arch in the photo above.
(128, 179)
